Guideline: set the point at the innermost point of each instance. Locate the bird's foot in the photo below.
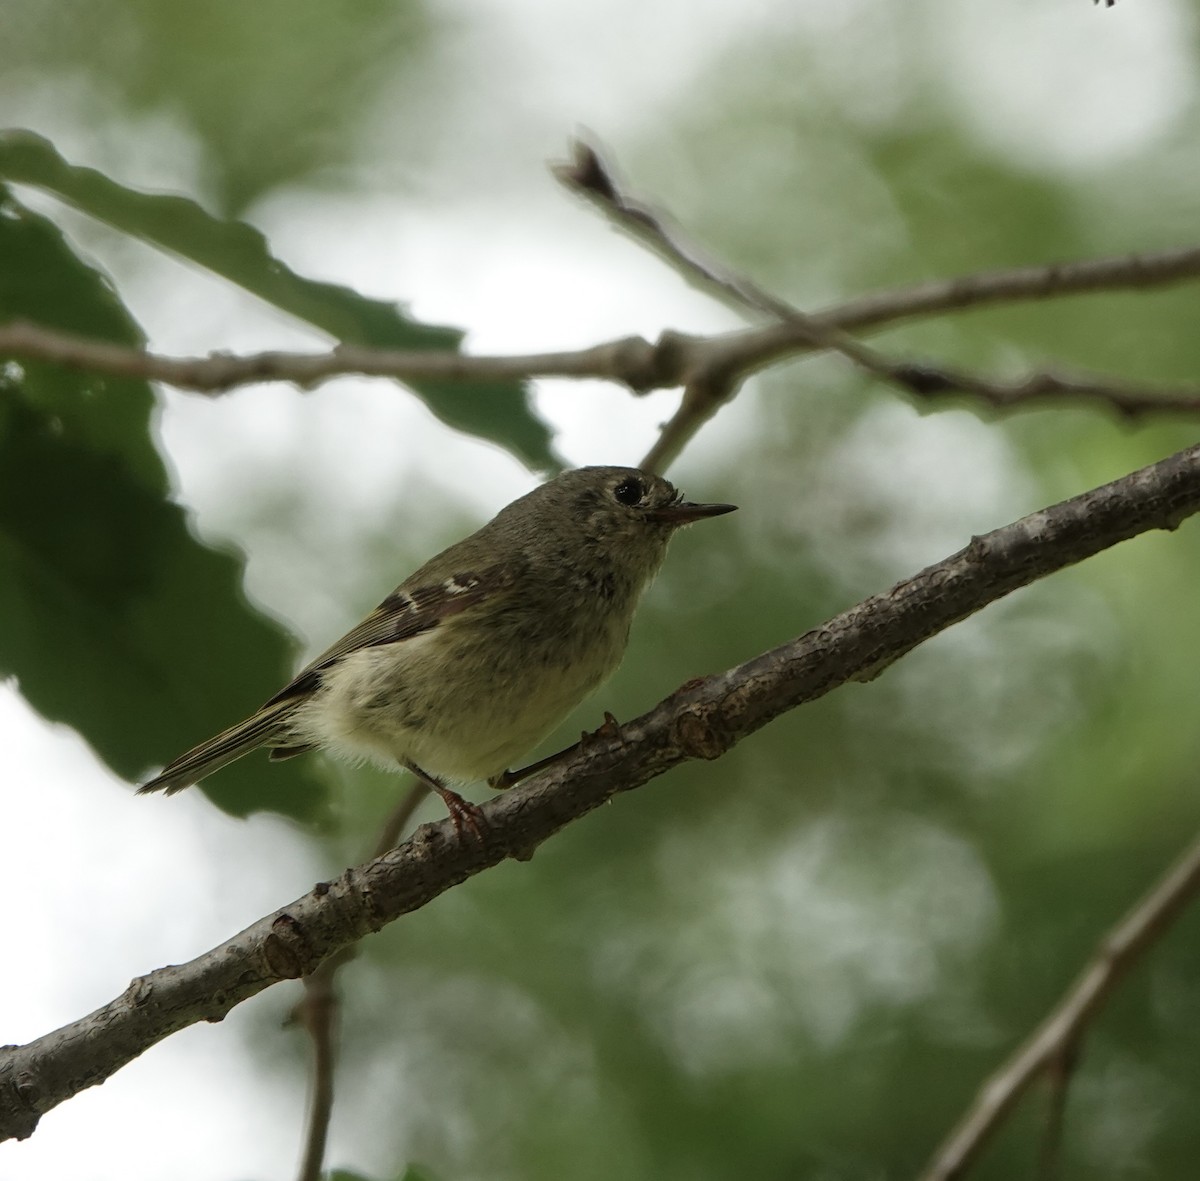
(463, 814)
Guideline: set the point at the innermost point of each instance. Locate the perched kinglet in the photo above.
(476, 657)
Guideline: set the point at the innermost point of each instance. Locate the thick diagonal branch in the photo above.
(701, 720)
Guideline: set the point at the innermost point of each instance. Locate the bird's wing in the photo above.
(408, 611)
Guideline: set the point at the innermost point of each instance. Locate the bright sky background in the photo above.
(522, 266)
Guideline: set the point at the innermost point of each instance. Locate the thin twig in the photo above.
(701, 720)
(587, 174)
(1057, 1039)
(318, 1012)
(1059, 1074)
(1121, 272)
(1127, 398)
(398, 818)
(709, 366)
(630, 360)
(590, 176)
(318, 1009)
(702, 398)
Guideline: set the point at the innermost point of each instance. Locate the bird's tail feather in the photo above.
(214, 754)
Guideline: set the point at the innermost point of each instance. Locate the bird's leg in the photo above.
(462, 812)
(610, 729)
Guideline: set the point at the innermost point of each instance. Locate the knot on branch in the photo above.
(140, 989)
(643, 366)
(20, 1109)
(286, 949)
(700, 732)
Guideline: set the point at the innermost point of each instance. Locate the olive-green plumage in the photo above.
(476, 656)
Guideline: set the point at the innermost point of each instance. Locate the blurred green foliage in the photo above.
(268, 88)
(800, 961)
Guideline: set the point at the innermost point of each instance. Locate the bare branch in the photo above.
(709, 368)
(702, 398)
(711, 386)
(701, 720)
(630, 360)
(587, 174)
(1054, 1044)
(1122, 272)
(1128, 399)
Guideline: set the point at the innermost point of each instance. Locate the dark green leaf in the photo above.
(493, 410)
(113, 618)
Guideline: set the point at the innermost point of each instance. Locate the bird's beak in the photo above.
(685, 512)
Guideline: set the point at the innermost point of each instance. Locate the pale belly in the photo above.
(439, 705)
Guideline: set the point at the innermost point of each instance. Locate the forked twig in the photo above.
(588, 175)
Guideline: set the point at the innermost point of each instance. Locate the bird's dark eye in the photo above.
(629, 491)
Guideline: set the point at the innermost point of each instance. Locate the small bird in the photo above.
(477, 656)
